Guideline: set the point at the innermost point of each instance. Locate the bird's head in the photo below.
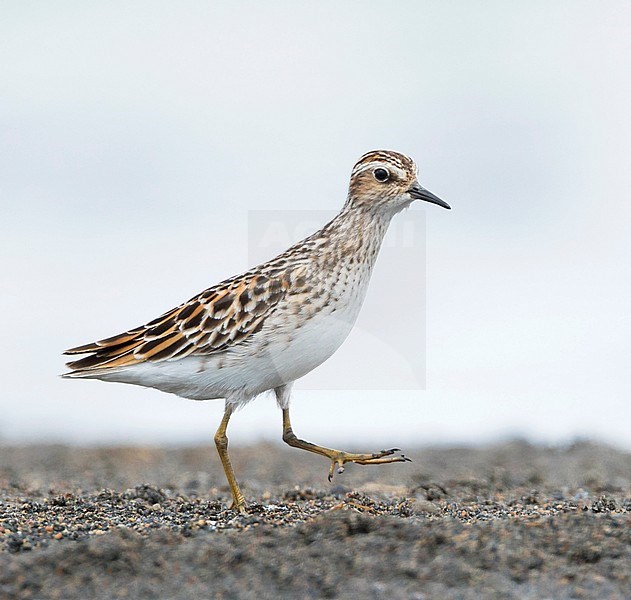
(386, 181)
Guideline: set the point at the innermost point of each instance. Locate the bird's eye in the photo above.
(381, 174)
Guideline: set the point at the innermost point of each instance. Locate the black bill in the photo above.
(418, 192)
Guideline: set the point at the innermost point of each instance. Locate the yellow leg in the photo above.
(221, 441)
(338, 457)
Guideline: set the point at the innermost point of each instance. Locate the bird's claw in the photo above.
(383, 457)
(340, 468)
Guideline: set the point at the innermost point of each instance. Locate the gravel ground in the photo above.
(507, 521)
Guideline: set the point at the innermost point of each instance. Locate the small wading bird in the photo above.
(266, 328)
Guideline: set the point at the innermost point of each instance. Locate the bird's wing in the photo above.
(218, 318)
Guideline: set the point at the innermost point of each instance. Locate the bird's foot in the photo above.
(339, 458)
(239, 505)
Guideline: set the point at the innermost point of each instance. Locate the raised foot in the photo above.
(338, 459)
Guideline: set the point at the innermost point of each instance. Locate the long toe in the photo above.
(383, 460)
(386, 452)
(352, 457)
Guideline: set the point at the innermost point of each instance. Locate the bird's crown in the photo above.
(375, 158)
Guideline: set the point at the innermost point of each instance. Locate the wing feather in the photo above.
(215, 320)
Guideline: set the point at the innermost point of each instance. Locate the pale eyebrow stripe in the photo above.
(361, 168)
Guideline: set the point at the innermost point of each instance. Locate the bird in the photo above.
(264, 329)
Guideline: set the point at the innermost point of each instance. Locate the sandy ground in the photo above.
(507, 521)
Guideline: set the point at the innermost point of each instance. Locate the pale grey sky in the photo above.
(137, 136)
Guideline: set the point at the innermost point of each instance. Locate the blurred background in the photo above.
(137, 136)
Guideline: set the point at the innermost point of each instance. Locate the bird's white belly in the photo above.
(309, 346)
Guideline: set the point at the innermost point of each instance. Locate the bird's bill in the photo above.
(418, 192)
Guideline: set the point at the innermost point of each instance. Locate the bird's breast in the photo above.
(314, 323)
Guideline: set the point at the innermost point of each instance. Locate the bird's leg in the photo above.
(221, 441)
(338, 457)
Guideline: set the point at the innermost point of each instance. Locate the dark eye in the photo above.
(381, 174)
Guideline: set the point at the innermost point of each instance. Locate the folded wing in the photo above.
(220, 317)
